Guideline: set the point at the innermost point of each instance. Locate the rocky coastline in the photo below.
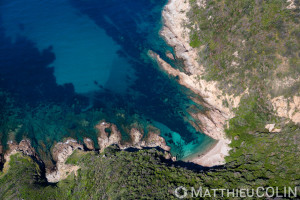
(212, 121)
(108, 134)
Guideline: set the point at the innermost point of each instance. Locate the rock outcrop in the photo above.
(60, 153)
(177, 36)
(170, 55)
(24, 147)
(212, 121)
(287, 107)
(154, 140)
(89, 144)
(271, 128)
(136, 136)
(109, 134)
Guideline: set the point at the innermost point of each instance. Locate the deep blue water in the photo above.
(66, 62)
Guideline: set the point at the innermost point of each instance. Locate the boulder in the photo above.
(89, 144)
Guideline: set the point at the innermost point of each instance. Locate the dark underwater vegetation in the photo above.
(38, 102)
(66, 65)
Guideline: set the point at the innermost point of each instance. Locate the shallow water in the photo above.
(77, 62)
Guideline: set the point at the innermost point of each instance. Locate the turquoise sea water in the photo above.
(67, 64)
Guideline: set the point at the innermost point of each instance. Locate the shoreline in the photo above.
(213, 155)
(212, 122)
(63, 149)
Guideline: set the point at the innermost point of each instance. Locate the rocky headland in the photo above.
(213, 121)
(60, 154)
(108, 134)
(24, 147)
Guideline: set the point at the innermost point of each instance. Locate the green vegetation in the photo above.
(257, 159)
(44, 124)
(263, 157)
(23, 177)
(265, 36)
(248, 44)
(254, 45)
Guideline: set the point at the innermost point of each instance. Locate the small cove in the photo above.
(91, 56)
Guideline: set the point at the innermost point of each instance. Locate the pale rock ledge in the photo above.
(60, 153)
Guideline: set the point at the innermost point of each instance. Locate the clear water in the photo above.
(66, 64)
(78, 43)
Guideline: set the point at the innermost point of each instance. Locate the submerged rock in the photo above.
(170, 55)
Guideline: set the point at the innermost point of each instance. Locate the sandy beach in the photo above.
(213, 156)
(212, 122)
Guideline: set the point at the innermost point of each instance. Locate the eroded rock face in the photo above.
(211, 122)
(154, 140)
(108, 134)
(271, 128)
(106, 139)
(63, 150)
(89, 144)
(60, 153)
(288, 108)
(24, 147)
(177, 35)
(136, 136)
